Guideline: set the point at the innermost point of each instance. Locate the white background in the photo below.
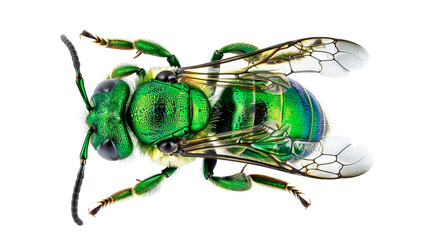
(382, 107)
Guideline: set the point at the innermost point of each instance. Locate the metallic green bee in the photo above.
(243, 108)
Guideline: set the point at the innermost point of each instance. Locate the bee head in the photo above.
(107, 116)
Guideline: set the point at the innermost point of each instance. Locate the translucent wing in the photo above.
(332, 157)
(262, 68)
(266, 146)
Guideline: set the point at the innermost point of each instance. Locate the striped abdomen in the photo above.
(240, 108)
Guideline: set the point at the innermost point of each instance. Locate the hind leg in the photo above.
(242, 182)
(235, 48)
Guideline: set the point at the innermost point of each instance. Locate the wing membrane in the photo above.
(229, 144)
(262, 68)
(261, 80)
(267, 145)
(332, 157)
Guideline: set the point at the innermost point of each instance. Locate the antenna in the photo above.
(84, 151)
(76, 64)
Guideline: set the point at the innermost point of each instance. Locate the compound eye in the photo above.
(168, 146)
(166, 76)
(106, 86)
(108, 151)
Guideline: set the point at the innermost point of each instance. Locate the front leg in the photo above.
(139, 189)
(142, 46)
(127, 70)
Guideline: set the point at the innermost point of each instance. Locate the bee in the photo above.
(243, 108)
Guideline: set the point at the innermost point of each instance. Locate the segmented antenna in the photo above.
(84, 151)
(75, 197)
(79, 178)
(73, 53)
(76, 64)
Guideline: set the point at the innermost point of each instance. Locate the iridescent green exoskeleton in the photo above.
(243, 108)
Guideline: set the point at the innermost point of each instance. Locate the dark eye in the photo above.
(105, 86)
(108, 151)
(166, 76)
(168, 146)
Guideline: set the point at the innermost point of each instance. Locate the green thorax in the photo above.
(160, 110)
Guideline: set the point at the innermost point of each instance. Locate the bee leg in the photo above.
(242, 182)
(139, 189)
(154, 49)
(120, 195)
(237, 182)
(142, 46)
(279, 184)
(127, 70)
(150, 183)
(235, 48)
